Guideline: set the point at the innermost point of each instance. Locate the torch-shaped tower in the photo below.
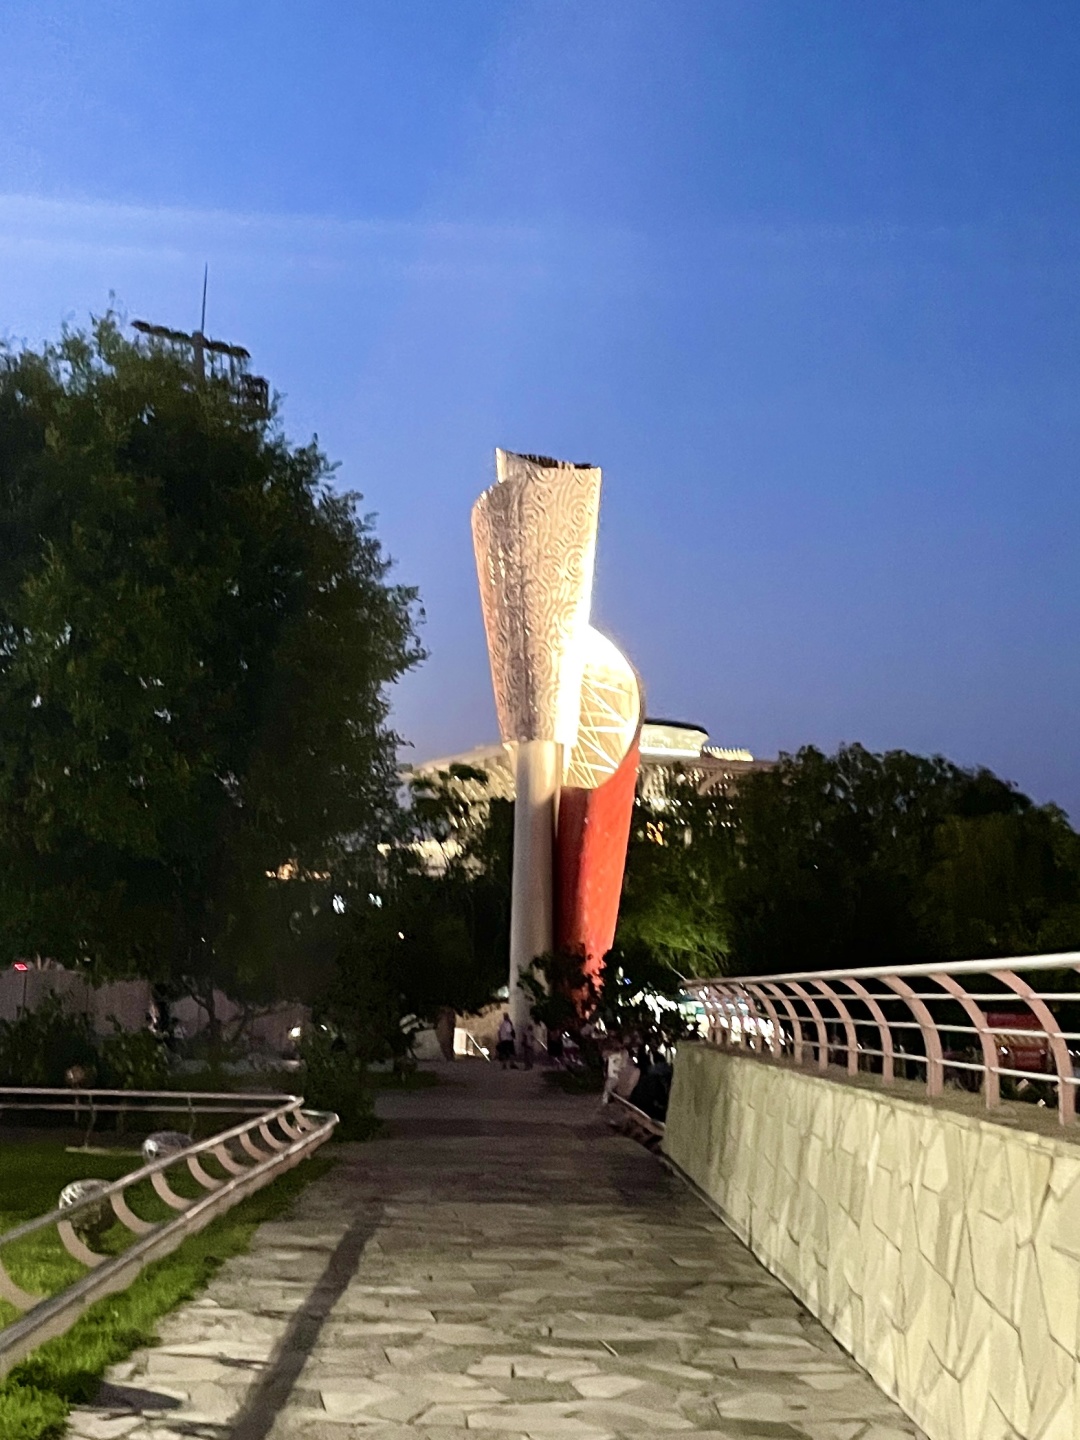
(569, 708)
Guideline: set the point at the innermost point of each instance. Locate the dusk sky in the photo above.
(803, 276)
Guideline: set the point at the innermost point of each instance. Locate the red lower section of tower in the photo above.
(590, 856)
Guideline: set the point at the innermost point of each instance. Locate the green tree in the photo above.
(633, 999)
(450, 886)
(563, 992)
(680, 858)
(1003, 884)
(856, 858)
(639, 1001)
(196, 639)
(432, 930)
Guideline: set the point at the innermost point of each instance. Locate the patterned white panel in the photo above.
(611, 709)
(534, 535)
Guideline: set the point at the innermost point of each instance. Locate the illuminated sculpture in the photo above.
(569, 708)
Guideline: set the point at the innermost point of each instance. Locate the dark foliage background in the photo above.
(850, 859)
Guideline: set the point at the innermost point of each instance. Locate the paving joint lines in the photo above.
(501, 1262)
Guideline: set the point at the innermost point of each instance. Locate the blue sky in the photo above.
(802, 275)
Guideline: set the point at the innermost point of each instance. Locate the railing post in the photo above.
(991, 1078)
(871, 1003)
(848, 1024)
(776, 1043)
(796, 1023)
(819, 1024)
(727, 1001)
(1058, 1048)
(935, 1071)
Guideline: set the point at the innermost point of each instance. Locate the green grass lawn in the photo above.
(35, 1398)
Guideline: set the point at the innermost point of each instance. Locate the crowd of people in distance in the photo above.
(633, 1069)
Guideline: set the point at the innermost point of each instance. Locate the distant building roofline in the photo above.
(674, 724)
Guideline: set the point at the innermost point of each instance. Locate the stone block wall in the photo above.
(942, 1250)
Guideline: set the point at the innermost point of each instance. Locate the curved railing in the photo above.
(1007, 1028)
(278, 1135)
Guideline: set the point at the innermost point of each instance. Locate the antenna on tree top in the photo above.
(223, 361)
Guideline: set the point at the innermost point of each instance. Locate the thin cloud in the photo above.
(96, 224)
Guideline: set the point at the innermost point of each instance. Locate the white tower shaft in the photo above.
(537, 767)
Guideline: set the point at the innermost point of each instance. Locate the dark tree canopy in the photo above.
(838, 861)
(872, 859)
(451, 887)
(434, 931)
(196, 639)
(680, 858)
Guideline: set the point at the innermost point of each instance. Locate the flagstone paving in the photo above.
(501, 1263)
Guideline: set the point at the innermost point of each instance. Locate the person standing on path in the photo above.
(507, 1041)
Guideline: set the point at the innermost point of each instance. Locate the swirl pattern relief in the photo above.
(534, 536)
(610, 717)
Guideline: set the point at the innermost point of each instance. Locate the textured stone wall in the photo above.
(942, 1250)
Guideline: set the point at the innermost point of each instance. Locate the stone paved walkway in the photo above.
(501, 1263)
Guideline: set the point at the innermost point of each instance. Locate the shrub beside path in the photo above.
(500, 1262)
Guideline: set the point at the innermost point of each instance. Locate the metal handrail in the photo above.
(28, 1097)
(861, 1018)
(301, 1132)
(92, 1102)
(636, 1114)
(472, 1045)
